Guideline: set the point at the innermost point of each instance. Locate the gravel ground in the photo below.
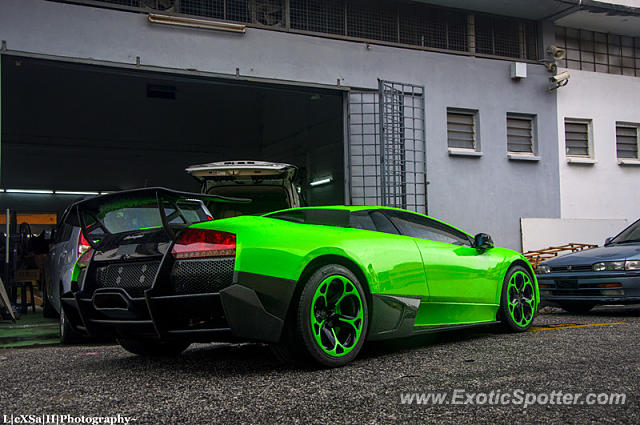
(229, 384)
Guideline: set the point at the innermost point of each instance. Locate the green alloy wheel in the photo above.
(518, 302)
(332, 316)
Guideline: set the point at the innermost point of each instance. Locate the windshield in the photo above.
(630, 234)
(264, 199)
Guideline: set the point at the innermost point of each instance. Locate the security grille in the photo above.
(364, 147)
(405, 23)
(323, 16)
(627, 140)
(519, 134)
(402, 152)
(506, 37)
(461, 129)
(576, 135)
(599, 52)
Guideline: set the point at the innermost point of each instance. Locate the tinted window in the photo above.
(361, 220)
(424, 228)
(382, 223)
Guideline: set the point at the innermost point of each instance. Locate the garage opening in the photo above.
(87, 128)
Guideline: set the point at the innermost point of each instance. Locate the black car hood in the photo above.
(612, 252)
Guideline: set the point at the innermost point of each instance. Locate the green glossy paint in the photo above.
(336, 316)
(457, 284)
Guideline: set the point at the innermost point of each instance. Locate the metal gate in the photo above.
(387, 146)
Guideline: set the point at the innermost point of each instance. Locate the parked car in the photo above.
(269, 185)
(318, 281)
(609, 274)
(67, 245)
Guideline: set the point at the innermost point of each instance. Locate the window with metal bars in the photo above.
(461, 129)
(506, 37)
(577, 137)
(627, 136)
(520, 134)
(405, 23)
(599, 52)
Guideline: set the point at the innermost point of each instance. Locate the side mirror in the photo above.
(483, 242)
(608, 240)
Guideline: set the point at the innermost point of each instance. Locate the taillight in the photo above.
(202, 243)
(83, 260)
(83, 245)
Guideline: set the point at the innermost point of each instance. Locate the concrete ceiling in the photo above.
(602, 21)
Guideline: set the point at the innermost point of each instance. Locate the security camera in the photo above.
(563, 77)
(556, 52)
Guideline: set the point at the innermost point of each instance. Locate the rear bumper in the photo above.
(586, 287)
(252, 308)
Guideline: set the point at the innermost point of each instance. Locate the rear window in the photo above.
(128, 218)
(264, 199)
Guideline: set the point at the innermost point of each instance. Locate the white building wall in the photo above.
(604, 189)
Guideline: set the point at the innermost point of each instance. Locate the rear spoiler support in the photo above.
(161, 196)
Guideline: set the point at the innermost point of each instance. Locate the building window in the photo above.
(577, 138)
(599, 52)
(521, 134)
(403, 23)
(627, 140)
(506, 37)
(461, 129)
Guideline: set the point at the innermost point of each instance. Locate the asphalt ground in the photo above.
(229, 384)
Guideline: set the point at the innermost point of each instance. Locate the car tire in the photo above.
(47, 309)
(518, 299)
(153, 348)
(68, 335)
(577, 308)
(332, 316)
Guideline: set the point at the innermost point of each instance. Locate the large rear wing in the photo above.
(140, 209)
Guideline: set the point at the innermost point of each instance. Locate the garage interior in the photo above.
(87, 128)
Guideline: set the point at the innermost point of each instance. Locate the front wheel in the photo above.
(518, 300)
(332, 316)
(153, 348)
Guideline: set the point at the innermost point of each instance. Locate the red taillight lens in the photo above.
(201, 243)
(83, 245)
(83, 260)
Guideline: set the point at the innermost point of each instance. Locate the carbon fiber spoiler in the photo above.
(87, 214)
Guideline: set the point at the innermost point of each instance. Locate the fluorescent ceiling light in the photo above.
(71, 192)
(45, 192)
(321, 181)
(181, 21)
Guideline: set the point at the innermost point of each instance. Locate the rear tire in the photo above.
(68, 335)
(153, 348)
(518, 300)
(47, 309)
(577, 308)
(332, 317)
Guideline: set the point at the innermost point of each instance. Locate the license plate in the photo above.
(567, 284)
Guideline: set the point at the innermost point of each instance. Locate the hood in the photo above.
(596, 255)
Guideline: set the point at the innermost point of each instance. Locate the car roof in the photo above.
(355, 208)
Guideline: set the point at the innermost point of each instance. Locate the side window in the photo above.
(361, 220)
(382, 223)
(424, 228)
